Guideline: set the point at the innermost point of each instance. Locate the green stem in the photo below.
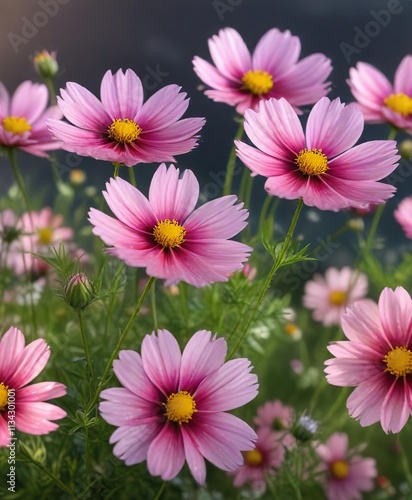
(52, 92)
(87, 455)
(230, 167)
(159, 493)
(120, 341)
(276, 265)
(405, 463)
(372, 230)
(132, 177)
(116, 169)
(80, 315)
(153, 307)
(19, 178)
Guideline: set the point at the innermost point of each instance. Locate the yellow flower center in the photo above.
(337, 298)
(400, 103)
(4, 396)
(45, 235)
(16, 125)
(399, 361)
(169, 233)
(42, 56)
(312, 162)
(180, 407)
(291, 329)
(339, 469)
(257, 82)
(124, 130)
(253, 458)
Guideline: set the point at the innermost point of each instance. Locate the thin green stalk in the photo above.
(120, 341)
(132, 177)
(80, 315)
(19, 178)
(230, 167)
(372, 230)
(276, 265)
(405, 463)
(153, 307)
(159, 493)
(116, 169)
(52, 92)
(87, 455)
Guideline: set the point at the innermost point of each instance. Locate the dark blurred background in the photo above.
(158, 40)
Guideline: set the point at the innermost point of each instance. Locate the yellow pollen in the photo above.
(45, 235)
(399, 361)
(312, 162)
(400, 103)
(16, 125)
(257, 82)
(253, 458)
(124, 130)
(169, 233)
(290, 329)
(4, 396)
(337, 298)
(339, 469)
(180, 407)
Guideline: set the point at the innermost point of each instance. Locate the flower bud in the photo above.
(305, 428)
(405, 149)
(78, 292)
(45, 64)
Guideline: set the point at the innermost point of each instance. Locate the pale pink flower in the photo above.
(330, 295)
(121, 128)
(377, 359)
(21, 404)
(274, 415)
(378, 99)
(173, 406)
(264, 460)
(23, 119)
(324, 168)
(403, 214)
(346, 475)
(166, 235)
(274, 70)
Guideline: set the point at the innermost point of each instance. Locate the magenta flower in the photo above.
(378, 99)
(329, 296)
(264, 460)
(377, 359)
(166, 235)
(23, 119)
(23, 406)
(403, 214)
(173, 406)
(274, 70)
(324, 168)
(346, 475)
(121, 128)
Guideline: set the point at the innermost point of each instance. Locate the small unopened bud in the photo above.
(45, 64)
(405, 149)
(79, 291)
(77, 177)
(356, 224)
(305, 428)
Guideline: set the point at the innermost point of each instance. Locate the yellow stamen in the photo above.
(339, 469)
(312, 162)
(337, 298)
(180, 407)
(400, 103)
(4, 396)
(169, 233)
(253, 458)
(257, 82)
(124, 130)
(291, 329)
(399, 361)
(16, 125)
(45, 235)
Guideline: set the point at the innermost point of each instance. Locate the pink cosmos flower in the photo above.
(121, 128)
(347, 475)
(377, 359)
(264, 460)
(274, 70)
(173, 406)
(21, 404)
(329, 296)
(274, 415)
(403, 214)
(378, 99)
(166, 235)
(23, 119)
(324, 168)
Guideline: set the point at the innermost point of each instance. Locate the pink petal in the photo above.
(166, 454)
(122, 407)
(262, 163)
(4, 101)
(211, 76)
(35, 418)
(369, 86)
(5, 437)
(121, 94)
(11, 346)
(30, 363)
(403, 78)
(42, 391)
(194, 458)
(395, 310)
(132, 442)
(29, 101)
(395, 407)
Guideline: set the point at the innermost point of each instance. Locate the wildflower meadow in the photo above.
(159, 344)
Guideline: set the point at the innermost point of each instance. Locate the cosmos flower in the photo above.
(378, 99)
(20, 403)
(324, 168)
(274, 70)
(166, 235)
(121, 128)
(278, 418)
(23, 119)
(172, 406)
(330, 295)
(403, 214)
(377, 360)
(346, 475)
